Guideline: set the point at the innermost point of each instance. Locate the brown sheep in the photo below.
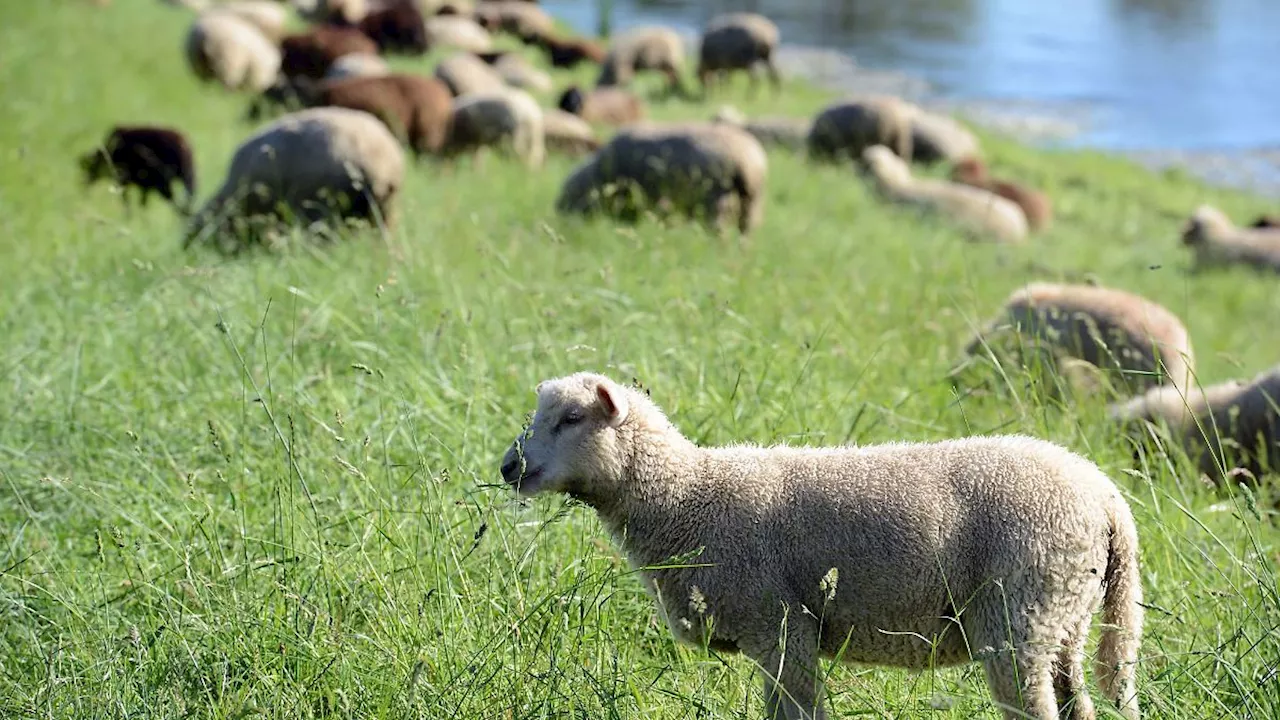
(603, 106)
(146, 158)
(397, 28)
(416, 109)
(1035, 205)
(567, 52)
(310, 54)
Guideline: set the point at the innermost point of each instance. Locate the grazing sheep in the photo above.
(1266, 221)
(396, 28)
(644, 48)
(516, 71)
(466, 74)
(846, 128)
(312, 53)
(981, 214)
(939, 138)
(223, 47)
(147, 158)
(1221, 427)
(1035, 205)
(694, 168)
(738, 41)
(341, 12)
(523, 20)
(782, 132)
(458, 32)
(270, 18)
(306, 164)
(1138, 343)
(1217, 241)
(567, 133)
(915, 555)
(416, 109)
(603, 106)
(564, 52)
(357, 65)
(507, 119)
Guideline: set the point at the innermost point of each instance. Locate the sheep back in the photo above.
(736, 41)
(310, 54)
(847, 128)
(458, 32)
(567, 133)
(466, 74)
(940, 138)
(355, 65)
(416, 109)
(224, 47)
(507, 119)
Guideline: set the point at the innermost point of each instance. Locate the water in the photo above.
(1164, 80)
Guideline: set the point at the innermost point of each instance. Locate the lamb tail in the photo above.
(1122, 612)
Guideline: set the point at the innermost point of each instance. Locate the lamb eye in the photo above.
(570, 419)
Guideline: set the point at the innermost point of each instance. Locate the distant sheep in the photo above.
(314, 164)
(603, 106)
(939, 138)
(450, 31)
(225, 48)
(648, 47)
(148, 159)
(567, 133)
(516, 71)
(788, 133)
(341, 12)
(1138, 343)
(396, 28)
(466, 74)
(564, 52)
(310, 54)
(1216, 241)
(699, 169)
(508, 120)
(522, 20)
(270, 18)
(416, 109)
(993, 549)
(844, 129)
(1035, 205)
(738, 41)
(357, 65)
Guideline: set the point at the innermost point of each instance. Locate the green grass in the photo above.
(264, 487)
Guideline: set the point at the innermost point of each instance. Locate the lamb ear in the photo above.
(613, 402)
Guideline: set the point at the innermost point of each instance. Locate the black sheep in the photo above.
(146, 158)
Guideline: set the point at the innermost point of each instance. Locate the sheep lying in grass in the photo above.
(567, 133)
(1221, 427)
(517, 71)
(697, 169)
(457, 32)
(314, 164)
(1138, 343)
(603, 106)
(980, 213)
(911, 555)
(1035, 205)
(1217, 241)
(356, 65)
(223, 47)
(310, 54)
(844, 129)
(782, 132)
(149, 159)
(466, 74)
(648, 47)
(509, 120)
(738, 41)
(939, 138)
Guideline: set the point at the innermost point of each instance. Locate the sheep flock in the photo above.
(990, 549)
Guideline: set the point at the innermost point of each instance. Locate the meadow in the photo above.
(267, 486)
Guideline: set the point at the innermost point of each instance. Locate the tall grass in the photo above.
(265, 487)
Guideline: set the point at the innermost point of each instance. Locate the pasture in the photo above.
(267, 486)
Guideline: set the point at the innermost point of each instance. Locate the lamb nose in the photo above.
(509, 468)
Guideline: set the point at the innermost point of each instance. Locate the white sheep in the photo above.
(916, 555)
(507, 119)
(1218, 241)
(466, 74)
(789, 133)
(980, 213)
(357, 65)
(1220, 427)
(940, 138)
(844, 129)
(696, 168)
(224, 47)
(1140, 344)
(738, 41)
(314, 164)
(567, 133)
(516, 71)
(457, 32)
(648, 47)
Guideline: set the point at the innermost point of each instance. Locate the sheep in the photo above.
(648, 47)
(1241, 415)
(1136, 342)
(1035, 205)
(305, 164)
(466, 74)
(995, 549)
(508, 119)
(144, 157)
(738, 41)
(416, 109)
(1215, 240)
(565, 52)
(269, 18)
(516, 71)
(939, 138)
(458, 32)
(845, 128)
(357, 65)
(603, 106)
(567, 133)
(525, 21)
(979, 213)
(788, 133)
(696, 168)
(396, 28)
(223, 47)
(312, 53)
(342, 12)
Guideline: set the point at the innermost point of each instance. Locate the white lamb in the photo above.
(908, 554)
(225, 47)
